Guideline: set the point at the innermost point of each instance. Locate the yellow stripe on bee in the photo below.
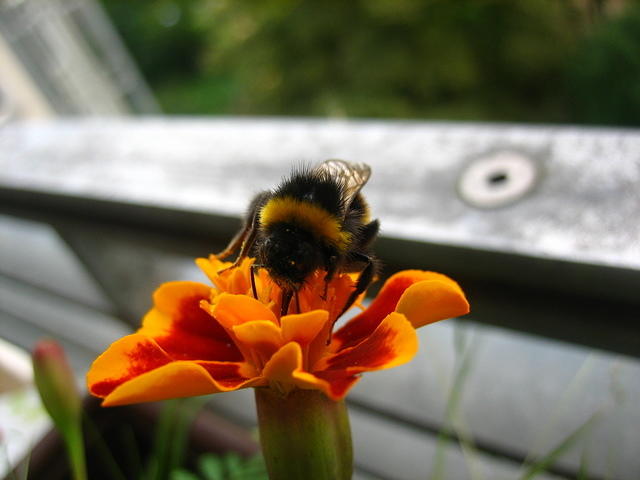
(309, 216)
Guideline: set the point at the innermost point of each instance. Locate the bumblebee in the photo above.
(315, 219)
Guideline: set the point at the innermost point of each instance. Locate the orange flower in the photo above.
(199, 339)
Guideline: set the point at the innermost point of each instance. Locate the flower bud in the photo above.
(56, 383)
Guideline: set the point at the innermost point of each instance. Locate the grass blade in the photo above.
(466, 351)
(570, 441)
(102, 450)
(158, 459)
(188, 409)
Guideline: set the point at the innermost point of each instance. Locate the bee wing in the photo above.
(353, 176)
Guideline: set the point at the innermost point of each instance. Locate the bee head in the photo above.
(290, 254)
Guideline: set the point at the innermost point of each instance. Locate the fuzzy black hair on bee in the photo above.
(316, 218)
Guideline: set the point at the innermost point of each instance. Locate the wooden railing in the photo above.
(539, 225)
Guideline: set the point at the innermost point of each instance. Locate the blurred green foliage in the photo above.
(511, 60)
(604, 73)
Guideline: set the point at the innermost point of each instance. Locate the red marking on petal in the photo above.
(105, 387)
(195, 335)
(226, 374)
(339, 382)
(191, 318)
(188, 347)
(143, 358)
(393, 342)
(366, 322)
(377, 352)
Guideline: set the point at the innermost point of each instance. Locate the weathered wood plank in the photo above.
(33, 253)
(130, 265)
(30, 313)
(577, 211)
(19, 331)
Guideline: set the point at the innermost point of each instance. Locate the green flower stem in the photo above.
(74, 442)
(304, 435)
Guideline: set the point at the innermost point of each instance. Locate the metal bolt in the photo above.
(497, 179)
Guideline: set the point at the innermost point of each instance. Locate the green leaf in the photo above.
(211, 467)
(181, 474)
(171, 438)
(158, 462)
(233, 464)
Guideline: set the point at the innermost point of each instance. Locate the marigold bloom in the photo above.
(200, 339)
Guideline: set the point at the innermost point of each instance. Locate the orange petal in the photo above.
(183, 329)
(234, 280)
(285, 369)
(211, 266)
(394, 342)
(125, 359)
(261, 338)
(283, 363)
(312, 295)
(239, 279)
(176, 380)
(259, 331)
(179, 303)
(169, 297)
(304, 327)
(431, 300)
(381, 306)
(231, 310)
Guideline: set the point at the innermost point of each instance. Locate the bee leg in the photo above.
(364, 280)
(297, 302)
(245, 238)
(248, 240)
(244, 251)
(332, 267)
(254, 290)
(236, 241)
(286, 300)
